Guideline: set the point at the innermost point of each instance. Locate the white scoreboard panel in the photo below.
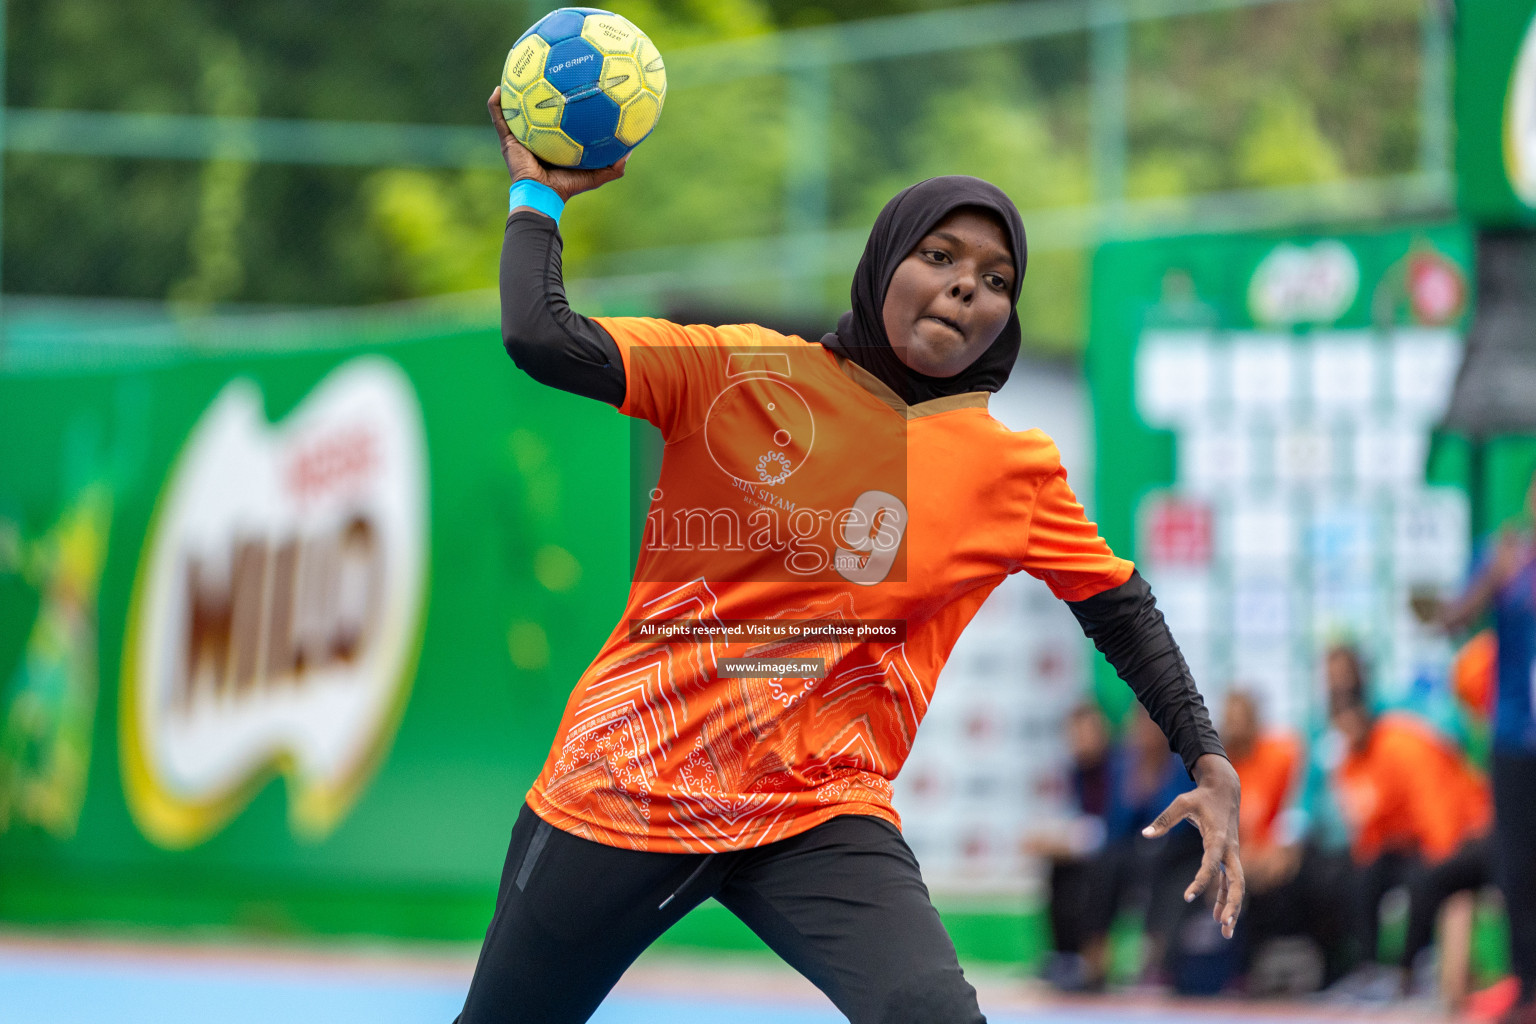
(1299, 515)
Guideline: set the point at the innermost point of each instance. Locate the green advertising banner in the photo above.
(288, 621)
(1496, 111)
(284, 637)
(1264, 408)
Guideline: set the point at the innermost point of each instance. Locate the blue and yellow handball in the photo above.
(582, 87)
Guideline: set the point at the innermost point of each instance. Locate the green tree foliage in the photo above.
(1285, 94)
(432, 228)
(1282, 145)
(983, 113)
(217, 271)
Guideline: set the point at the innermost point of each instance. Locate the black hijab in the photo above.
(860, 334)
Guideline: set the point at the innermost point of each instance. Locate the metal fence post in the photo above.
(2, 175)
(807, 169)
(1109, 57)
(1434, 92)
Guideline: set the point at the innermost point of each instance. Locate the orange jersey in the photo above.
(784, 498)
(1408, 789)
(1475, 673)
(1266, 775)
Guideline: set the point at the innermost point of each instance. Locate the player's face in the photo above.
(951, 297)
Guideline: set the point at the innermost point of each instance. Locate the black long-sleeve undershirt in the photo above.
(1127, 627)
(548, 340)
(557, 346)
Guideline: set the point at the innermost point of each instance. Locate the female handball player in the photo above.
(807, 488)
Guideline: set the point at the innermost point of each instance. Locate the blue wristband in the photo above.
(539, 196)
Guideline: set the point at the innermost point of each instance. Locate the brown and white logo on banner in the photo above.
(276, 614)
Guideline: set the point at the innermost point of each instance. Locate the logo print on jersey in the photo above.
(759, 428)
(795, 498)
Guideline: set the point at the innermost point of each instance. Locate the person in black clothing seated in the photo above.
(1104, 863)
(1144, 870)
(1078, 872)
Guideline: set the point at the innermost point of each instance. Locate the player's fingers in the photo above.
(1210, 868)
(1219, 907)
(512, 151)
(603, 175)
(1171, 816)
(571, 181)
(1237, 891)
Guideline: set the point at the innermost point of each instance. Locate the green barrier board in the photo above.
(1496, 111)
(284, 638)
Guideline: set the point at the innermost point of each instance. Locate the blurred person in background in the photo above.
(1504, 581)
(1079, 889)
(1308, 873)
(1141, 870)
(1267, 763)
(1102, 863)
(1473, 680)
(1419, 816)
(1318, 819)
(1300, 883)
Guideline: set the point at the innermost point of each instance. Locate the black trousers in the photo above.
(1315, 902)
(1428, 886)
(1372, 882)
(1081, 902)
(1514, 802)
(843, 903)
(1148, 874)
(1467, 870)
(1174, 865)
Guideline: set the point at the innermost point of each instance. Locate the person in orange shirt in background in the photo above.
(1475, 674)
(1266, 764)
(1290, 893)
(1420, 816)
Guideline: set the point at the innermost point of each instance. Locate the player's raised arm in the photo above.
(548, 340)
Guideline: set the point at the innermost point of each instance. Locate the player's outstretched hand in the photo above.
(521, 163)
(1212, 807)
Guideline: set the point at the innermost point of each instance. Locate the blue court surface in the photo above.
(72, 981)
